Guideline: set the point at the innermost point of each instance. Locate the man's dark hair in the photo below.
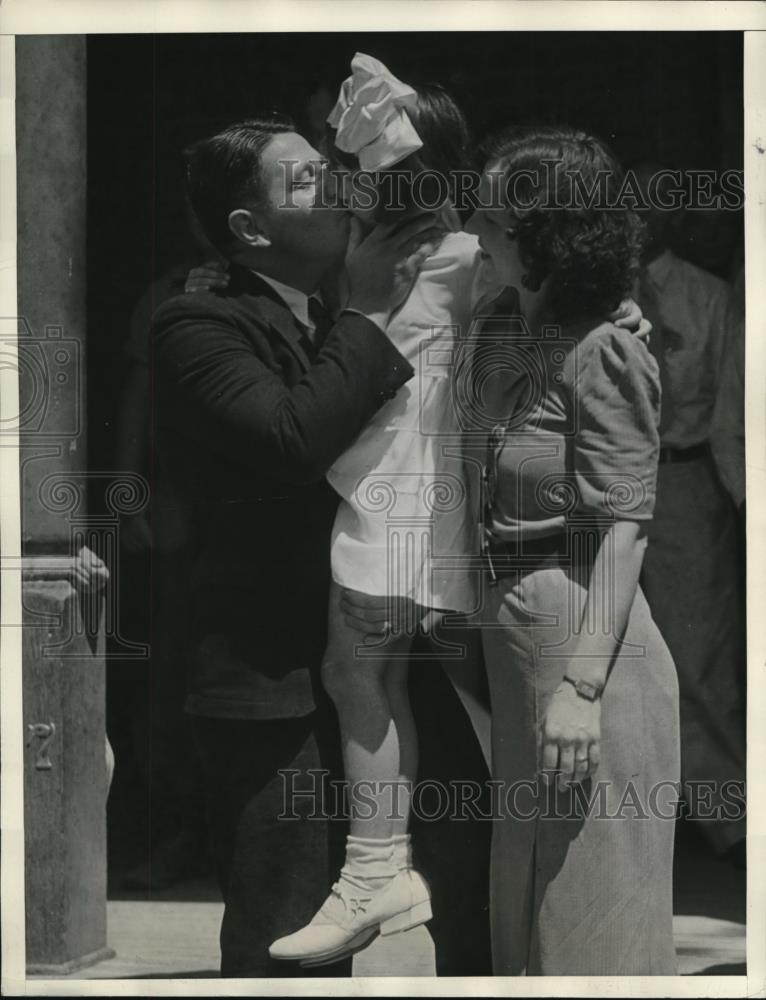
(223, 172)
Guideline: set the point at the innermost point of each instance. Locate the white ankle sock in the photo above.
(369, 862)
(402, 851)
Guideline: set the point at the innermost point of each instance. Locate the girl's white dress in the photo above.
(405, 525)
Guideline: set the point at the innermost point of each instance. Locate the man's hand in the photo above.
(383, 267)
(207, 276)
(380, 615)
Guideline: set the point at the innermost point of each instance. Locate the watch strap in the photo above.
(585, 689)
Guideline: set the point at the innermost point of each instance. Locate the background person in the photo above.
(690, 574)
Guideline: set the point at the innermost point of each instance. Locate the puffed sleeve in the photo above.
(616, 437)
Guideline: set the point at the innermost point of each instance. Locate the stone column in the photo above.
(65, 779)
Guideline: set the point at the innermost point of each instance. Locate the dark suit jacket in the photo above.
(247, 423)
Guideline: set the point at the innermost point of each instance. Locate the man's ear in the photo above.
(243, 225)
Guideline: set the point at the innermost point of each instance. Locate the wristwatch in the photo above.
(591, 692)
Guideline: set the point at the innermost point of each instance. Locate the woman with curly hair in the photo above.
(583, 690)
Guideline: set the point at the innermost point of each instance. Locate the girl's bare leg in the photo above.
(395, 680)
(377, 889)
(369, 707)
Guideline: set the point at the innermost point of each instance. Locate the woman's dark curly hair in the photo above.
(560, 187)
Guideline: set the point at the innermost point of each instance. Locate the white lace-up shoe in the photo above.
(352, 916)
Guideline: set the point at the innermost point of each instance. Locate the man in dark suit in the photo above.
(256, 393)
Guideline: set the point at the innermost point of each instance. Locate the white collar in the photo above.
(295, 300)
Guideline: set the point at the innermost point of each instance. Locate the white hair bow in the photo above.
(371, 118)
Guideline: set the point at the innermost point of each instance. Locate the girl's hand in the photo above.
(570, 736)
(207, 276)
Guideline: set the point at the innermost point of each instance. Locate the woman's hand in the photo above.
(207, 276)
(570, 736)
(628, 315)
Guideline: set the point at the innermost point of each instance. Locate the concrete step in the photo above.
(179, 939)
